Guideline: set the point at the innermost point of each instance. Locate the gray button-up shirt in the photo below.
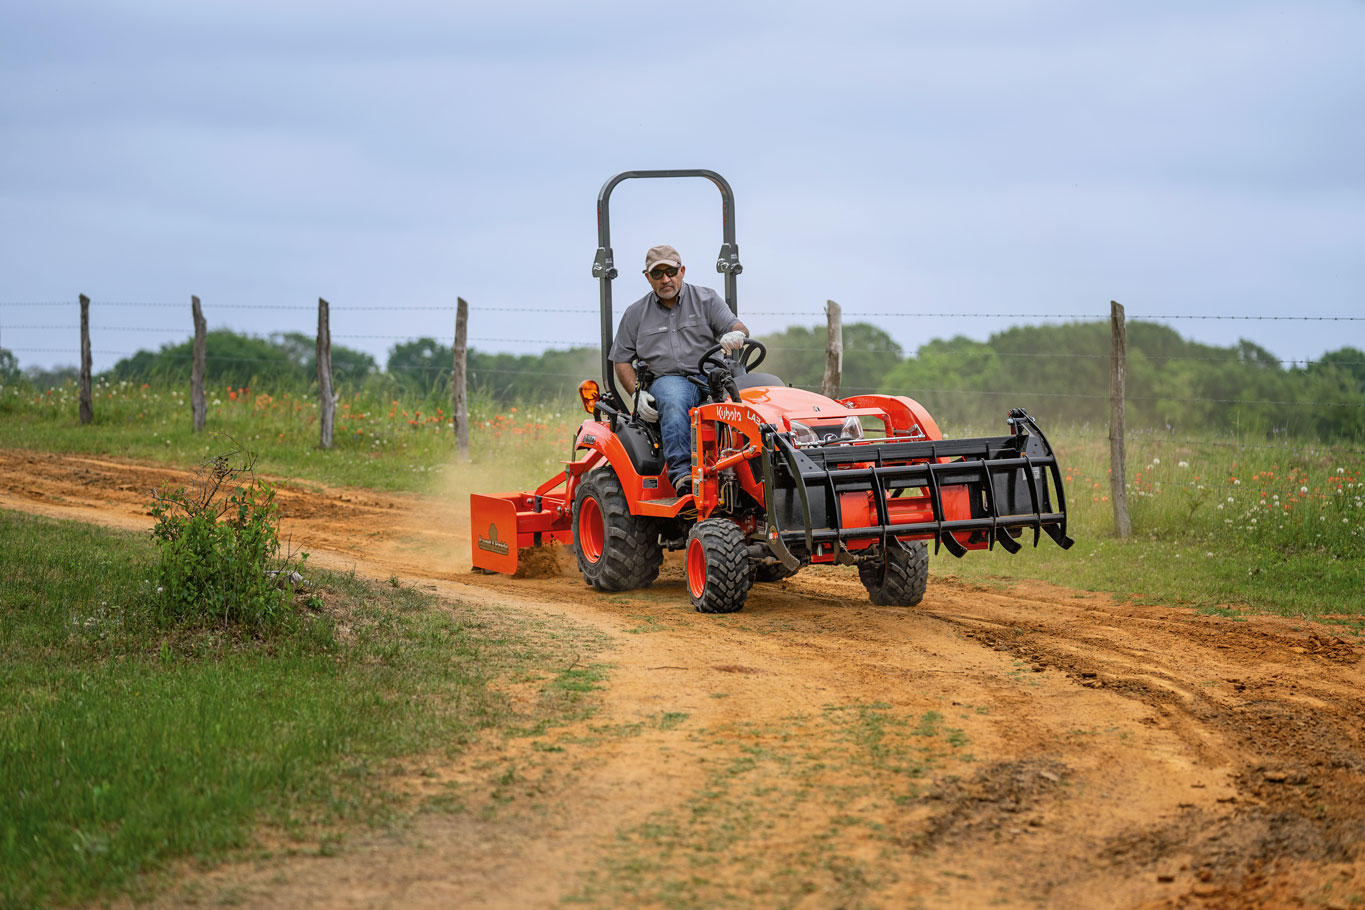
(672, 339)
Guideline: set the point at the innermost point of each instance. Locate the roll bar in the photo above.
(604, 265)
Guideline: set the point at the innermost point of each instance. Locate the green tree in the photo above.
(42, 378)
(243, 360)
(425, 364)
(9, 367)
(1060, 374)
(422, 364)
(797, 356)
(302, 351)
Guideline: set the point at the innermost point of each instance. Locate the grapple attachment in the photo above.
(828, 502)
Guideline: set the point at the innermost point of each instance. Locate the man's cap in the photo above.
(663, 254)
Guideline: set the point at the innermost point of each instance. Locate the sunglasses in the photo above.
(663, 271)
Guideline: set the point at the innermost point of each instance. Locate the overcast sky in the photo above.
(1031, 159)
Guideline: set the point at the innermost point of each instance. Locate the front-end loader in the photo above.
(781, 477)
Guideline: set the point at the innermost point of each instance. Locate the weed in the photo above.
(218, 549)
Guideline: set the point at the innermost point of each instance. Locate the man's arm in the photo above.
(625, 378)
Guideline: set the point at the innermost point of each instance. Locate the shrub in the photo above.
(218, 547)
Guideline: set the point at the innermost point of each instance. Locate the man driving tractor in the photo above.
(668, 330)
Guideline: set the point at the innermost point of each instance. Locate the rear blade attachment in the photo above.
(975, 492)
(503, 525)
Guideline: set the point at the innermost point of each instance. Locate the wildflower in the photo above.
(1183, 464)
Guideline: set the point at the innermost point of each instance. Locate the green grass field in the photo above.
(378, 441)
(1215, 525)
(125, 745)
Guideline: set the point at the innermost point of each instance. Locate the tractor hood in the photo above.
(781, 404)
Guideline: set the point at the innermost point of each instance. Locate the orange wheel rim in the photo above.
(591, 535)
(696, 567)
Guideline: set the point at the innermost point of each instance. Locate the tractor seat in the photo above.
(751, 380)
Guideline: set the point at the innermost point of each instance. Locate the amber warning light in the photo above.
(589, 393)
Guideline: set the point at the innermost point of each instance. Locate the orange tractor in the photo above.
(781, 478)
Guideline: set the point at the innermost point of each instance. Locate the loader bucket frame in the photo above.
(604, 265)
(979, 492)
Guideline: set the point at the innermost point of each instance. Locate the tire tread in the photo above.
(904, 579)
(631, 554)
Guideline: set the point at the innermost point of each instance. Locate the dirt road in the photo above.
(1022, 747)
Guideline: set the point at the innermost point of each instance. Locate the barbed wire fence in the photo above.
(43, 312)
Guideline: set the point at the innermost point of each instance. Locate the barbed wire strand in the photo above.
(851, 314)
(848, 350)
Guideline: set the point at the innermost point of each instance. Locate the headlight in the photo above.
(826, 433)
(803, 435)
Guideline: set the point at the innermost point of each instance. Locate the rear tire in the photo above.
(900, 578)
(617, 551)
(718, 576)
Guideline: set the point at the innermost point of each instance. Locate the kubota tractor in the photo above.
(781, 478)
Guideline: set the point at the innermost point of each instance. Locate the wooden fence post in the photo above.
(197, 405)
(87, 398)
(834, 350)
(459, 404)
(1118, 355)
(326, 399)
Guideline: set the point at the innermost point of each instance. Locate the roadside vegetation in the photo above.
(1217, 524)
(1240, 497)
(132, 738)
(1220, 520)
(380, 440)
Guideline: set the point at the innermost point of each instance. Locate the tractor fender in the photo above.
(601, 443)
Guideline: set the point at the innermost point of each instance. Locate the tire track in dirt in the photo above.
(1120, 754)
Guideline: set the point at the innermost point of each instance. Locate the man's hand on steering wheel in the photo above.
(747, 347)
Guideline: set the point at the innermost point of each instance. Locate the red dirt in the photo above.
(1121, 755)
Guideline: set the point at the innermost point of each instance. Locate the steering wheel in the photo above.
(711, 359)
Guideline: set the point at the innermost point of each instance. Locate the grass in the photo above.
(124, 747)
(379, 441)
(789, 810)
(1215, 525)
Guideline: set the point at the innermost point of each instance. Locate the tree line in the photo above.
(1059, 373)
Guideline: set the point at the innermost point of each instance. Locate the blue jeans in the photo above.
(675, 396)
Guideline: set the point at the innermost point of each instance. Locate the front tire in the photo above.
(899, 578)
(617, 551)
(718, 576)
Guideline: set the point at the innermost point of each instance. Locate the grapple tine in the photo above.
(950, 542)
(1058, 536)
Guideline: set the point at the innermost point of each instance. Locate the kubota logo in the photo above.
(729, 413)
(491, 542)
